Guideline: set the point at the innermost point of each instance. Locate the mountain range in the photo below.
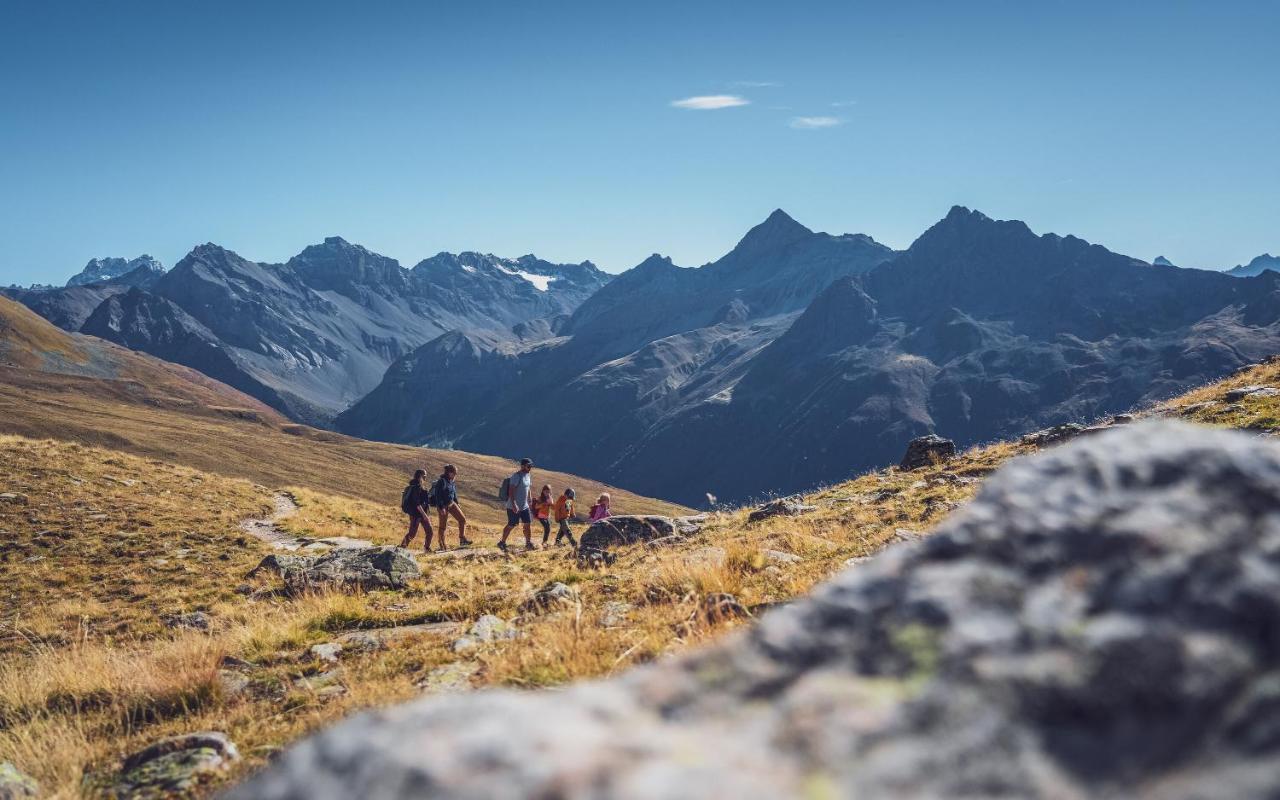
(796, 359)
(311, 336)
(801, 357)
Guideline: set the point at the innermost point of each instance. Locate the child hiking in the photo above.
(564, 512)
(541, 507)
(601, 509)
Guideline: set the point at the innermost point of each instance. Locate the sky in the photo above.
(610, 131)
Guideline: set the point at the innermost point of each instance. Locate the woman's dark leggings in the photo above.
(546, 529)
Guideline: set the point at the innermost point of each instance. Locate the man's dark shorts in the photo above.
(523, 515)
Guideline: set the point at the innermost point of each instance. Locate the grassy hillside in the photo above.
(81, 389)
(105, 547)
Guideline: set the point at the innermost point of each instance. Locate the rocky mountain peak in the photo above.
(1161, 261)
(98, 270)
(777, 231)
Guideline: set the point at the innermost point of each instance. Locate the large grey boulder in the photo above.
(628, 529)
(1099, 622)
(347, 568)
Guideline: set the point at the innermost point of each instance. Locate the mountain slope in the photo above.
(982, 329)
(1257, 266)
(311, 336)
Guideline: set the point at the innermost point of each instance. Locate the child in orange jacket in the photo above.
(564, 511)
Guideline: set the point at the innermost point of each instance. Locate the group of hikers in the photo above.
(420, 502)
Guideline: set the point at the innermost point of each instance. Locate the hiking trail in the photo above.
(267, 530)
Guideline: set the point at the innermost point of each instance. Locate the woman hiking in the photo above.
(444, 494)
(415, 501)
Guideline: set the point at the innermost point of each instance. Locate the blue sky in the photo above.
(412, 128)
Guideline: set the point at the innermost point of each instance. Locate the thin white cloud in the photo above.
(812, 123)
(755, 84)
(711, 102)
(844, 103)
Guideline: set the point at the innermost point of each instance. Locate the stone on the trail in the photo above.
(626, 529)
(194, 620)
(782, 507)
(1054, 435)
(926, 451)
(322, 683)
(548, 597)
(13, 498)
(1121, 419)
(1100, 621)
(595, 558)
(376, 638)
(446, 678)
(175, 766)
(15, 784)
(328, 651)
(1235, 395)
(351, 568)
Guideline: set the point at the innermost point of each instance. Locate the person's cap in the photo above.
(526, 462)
(569, 493)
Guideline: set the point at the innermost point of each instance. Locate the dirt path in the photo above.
(266, 529)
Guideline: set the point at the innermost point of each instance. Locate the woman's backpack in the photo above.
(406, 500)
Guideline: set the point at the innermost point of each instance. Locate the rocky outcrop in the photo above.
(927, 451)
(782, 507)
(1099, 621)
(625, 529)
(175, 766)
(132, 272)
(346, 568)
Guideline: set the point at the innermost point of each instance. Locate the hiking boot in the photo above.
(529, 545)
(502, 546)
(465, 543)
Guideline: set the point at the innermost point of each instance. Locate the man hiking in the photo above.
(414, 502)
(444, 494)
(519, 486)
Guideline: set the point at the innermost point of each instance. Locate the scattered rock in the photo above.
(279, 563)
(905, 535)
(720, 606)
(175, 766)
(324, 684)
(15, 499)
(484, 630)
(1235, 395)
(927, 451)
(667, 541)
(376, 638)
(348, 568)
(782, 557)
(1121, 419)
(782, 507)
(1099, 622)
(195, 620)
(548, 597)
(449, 678)
(707, 556)
(328, 651)
(232, 683)
(16, 785)
(594, 558)
(615, 614)
(1054, 435)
